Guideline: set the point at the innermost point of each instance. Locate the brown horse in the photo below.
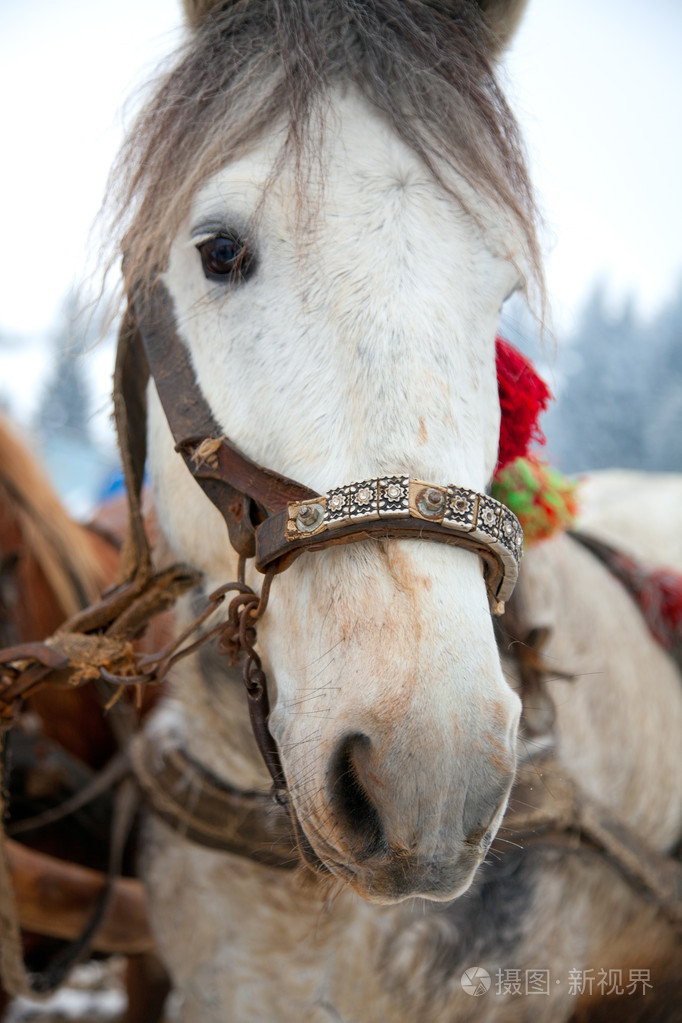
(50, 568)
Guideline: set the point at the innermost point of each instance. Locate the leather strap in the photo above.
(256, 503)
(208, 811)
(227, 476)
(547, 810)
(131, 374)
(274, 547)
(555, 812)
(656, 592)
(259, 506)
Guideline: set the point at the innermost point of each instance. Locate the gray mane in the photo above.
(423, 65)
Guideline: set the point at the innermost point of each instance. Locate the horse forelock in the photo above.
(264, 63)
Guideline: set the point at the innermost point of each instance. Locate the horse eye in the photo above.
(226, 258)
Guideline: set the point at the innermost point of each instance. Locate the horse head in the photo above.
(342, 213)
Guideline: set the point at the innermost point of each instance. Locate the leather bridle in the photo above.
(273, 520)
(270, 517)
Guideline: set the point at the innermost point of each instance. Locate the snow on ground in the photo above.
(94, 994)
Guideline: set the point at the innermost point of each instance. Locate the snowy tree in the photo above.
(663, 429)
(65, 403)
(618, 381)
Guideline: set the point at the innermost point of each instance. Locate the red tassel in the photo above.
(660, 598)
(657, 592)
(523, 396)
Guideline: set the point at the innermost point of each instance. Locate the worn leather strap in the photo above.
(131, 374)
(274, 548)
(257, 503)
(547, 810)
(230, 479)
(208, 811)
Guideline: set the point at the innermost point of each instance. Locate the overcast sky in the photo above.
(597, 85)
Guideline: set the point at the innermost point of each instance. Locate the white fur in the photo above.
(363, 346)
(639, 512)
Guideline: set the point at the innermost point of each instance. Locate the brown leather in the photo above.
(96, 642)
(548, 809)
(274, 548)
(252, 500)
(131, 374)
(206, 810)
(268, 489)
(226, 475)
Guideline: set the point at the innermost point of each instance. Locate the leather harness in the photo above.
(269, 518)
(547, 810)
(274, 519)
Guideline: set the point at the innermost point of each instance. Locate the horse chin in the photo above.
(430, 882)
(391, 883)
(388, 878)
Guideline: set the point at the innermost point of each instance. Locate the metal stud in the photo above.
(489, 513)
(427, 501)
(362, 501)
(431, 503)
(309, 517)
(461, 509)
(337, 506)
(394, 497)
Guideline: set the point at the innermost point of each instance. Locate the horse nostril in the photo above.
(350, 800)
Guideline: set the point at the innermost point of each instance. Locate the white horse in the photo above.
(610, 509)
(336, 197)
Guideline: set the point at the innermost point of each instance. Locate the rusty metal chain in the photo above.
(76, 657)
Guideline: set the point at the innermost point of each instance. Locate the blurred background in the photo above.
(597, 89)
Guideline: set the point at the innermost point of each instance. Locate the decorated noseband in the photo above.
(399, 507)
(274, 519)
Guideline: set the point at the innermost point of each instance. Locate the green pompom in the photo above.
(543, 499)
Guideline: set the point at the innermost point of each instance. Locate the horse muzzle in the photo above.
(390, 842)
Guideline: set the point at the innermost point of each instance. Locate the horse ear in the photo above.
(502, 17)
(196, 10)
